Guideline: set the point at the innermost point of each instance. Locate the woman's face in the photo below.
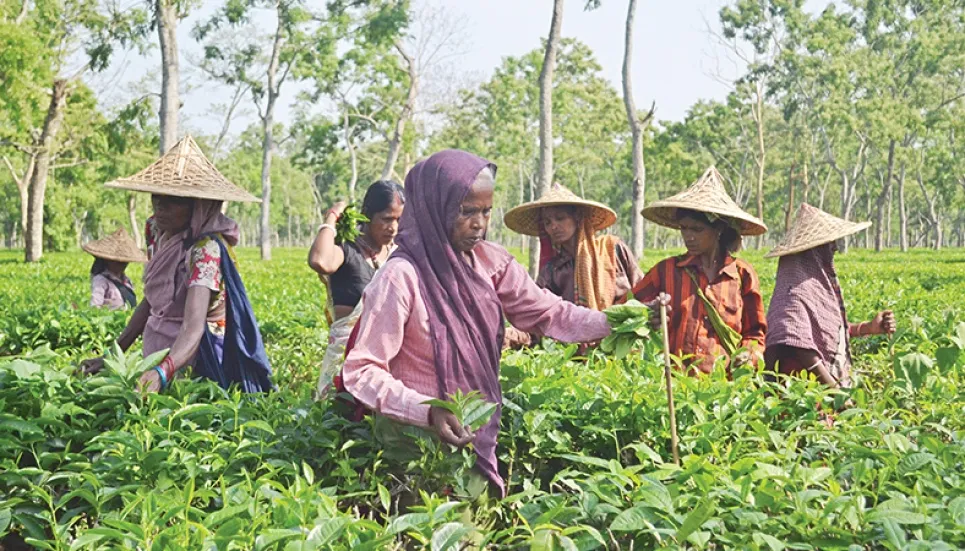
(116, 267)
(699, 238)
(172, 214)
(469, 228)
(559, 224)
(384, 225)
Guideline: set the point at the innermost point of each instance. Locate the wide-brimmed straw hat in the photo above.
(117, 246)
(184, 171)
(706, 195)
(525, 219)
(812, 227)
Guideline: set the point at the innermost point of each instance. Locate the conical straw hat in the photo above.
(706, 195)
(812, 227)
(184, 171)
(117, 246)
(524, 219)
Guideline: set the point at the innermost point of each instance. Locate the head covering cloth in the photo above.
(465, 315)
(807, 308)
(166, 273)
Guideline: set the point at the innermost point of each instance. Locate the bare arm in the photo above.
(135, 326)
(325, 257)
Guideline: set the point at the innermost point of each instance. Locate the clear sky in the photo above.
(674, 55)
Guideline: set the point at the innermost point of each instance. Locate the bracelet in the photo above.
(164, 378)
(335, 214)
(329, 226)
(167, 364)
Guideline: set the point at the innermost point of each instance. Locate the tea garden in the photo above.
(770, 465)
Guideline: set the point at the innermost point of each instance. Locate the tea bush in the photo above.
(770, 465)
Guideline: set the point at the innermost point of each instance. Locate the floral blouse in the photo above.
(205, 271)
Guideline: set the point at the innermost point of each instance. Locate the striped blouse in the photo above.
(735, 291)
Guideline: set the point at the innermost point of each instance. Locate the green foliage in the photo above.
(90, 463)
(630, 323)
(347, 228)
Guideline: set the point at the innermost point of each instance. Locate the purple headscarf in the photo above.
(465, 315)
(807, 309)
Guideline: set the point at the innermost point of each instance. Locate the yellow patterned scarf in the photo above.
(596, 268)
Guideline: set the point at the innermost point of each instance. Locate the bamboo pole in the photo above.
(668, 377)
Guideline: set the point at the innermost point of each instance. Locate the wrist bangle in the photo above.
(329, 226)
(167, 365)
(164, 379)
(335, 214)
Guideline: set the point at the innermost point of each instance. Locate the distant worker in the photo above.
(809, 330)
(109, 286)
(347, 268)
(716, 309)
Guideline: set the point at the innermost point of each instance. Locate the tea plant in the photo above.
(91, 463)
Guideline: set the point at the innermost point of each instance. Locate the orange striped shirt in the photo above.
(736, 291)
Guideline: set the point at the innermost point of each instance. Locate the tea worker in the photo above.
(109, 286)
(716, 308)
(347, 268)
(809, 330)
(195, 304)
(584, 268)
(432, 321)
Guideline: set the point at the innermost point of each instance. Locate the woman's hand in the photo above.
(337, 209)
(92, 366)
(884, 323)
(654, 306)
(449, 429)
(150, 381)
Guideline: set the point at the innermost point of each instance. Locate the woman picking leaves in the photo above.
(109, 287)
(195, 304)
(809, 329)
(346, 264)
(715, 298)
(432, 318)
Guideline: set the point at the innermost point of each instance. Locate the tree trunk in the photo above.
(883, 197)
(34, 236)
(807, 182)
(762, 157)
(902, 211)
(637, 228)
(132, 217)
(545, 173)
(167, 30)
(789, 212)
(268, 143)
(353, 158)
(395, 141)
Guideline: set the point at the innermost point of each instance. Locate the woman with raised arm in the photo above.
(432, 320)
(346, 268)
(809, 330)
(716, 309)
(195, 305)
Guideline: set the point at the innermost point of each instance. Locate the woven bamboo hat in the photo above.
(524, 219)
(706, 195)
(812, 227)
(117, 246)
(184, 171)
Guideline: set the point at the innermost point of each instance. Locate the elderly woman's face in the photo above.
(172, 214)
(469, 228)
(558, 223)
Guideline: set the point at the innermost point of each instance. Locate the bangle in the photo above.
(335, 214)
(167, 364)
(329, 226)
(164, 378)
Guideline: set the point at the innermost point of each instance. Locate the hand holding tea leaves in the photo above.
(347, 227)
(630, 323)
(457, 420)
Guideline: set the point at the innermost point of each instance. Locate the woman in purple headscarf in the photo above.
(433, 316)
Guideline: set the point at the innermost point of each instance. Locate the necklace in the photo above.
(370, 251)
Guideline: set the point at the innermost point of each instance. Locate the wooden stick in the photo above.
(667, 375)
